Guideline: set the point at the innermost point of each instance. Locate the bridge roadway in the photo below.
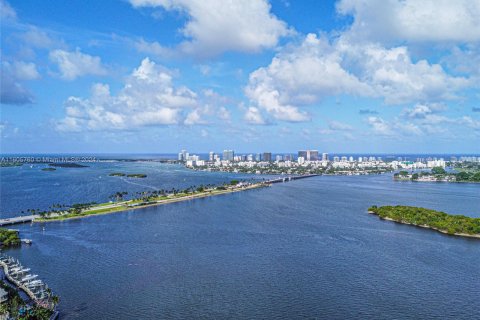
(17, 220)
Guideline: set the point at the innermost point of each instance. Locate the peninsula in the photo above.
(153, 198)
(457, 225)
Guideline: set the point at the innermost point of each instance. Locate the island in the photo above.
(9, 238)
(130, 175)
(457, 225)
(148, 198)
(117, 174)
(136, 175)
(67, 165)
(10, 164)
(439, 174)
(49, 169)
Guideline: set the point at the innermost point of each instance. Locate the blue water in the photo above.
(28, 187)
(303, 249)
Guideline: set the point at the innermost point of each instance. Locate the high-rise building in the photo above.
(308, 155)
(183, 155)
(336, 159)
(287, 157)
(228, 155)
(258, 157)
(324, 156)
(211, 156)
(278, 158)
(303, 154)
(312, 155)
(267, 156)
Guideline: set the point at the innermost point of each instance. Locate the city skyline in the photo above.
(258, 75)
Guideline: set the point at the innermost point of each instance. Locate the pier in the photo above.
(35, 289)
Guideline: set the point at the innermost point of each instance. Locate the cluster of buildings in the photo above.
(311, 158)
(274, 163)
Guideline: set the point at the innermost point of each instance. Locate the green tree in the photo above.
(438, 170)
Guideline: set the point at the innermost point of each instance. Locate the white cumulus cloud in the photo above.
(414, 20)
(217, 26)
(74, 64)
(149, 97)
(316, 68)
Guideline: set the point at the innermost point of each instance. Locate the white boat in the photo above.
(30, 277)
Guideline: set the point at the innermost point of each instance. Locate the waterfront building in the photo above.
(436, 163)
(350, 159)
(258, 157)
(267, 156)
(301, 160)
(302, 154)
(287, 157)
(336, 159)
(278, 158)
(250, 157)
(324, 156)
(228, 155)
(309, 155)
(344, 159)
(360, 159)
(312, 155)
(180, 156)
(211, 156)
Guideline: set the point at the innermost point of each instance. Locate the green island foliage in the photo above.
(49, 169)
(9, 238)
(67, 165)
(117, 174)
(136, 175)
(452, 224)
(10, 164)
(438, 170)
(472, 174)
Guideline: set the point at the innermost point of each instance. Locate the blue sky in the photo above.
(156, 76)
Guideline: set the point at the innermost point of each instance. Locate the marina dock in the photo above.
(36, 289)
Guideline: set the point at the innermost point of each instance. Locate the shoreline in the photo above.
(474, 236)
(123, 206)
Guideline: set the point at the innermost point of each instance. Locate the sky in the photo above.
(157, 76)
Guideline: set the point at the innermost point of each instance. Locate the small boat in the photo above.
(26, 241)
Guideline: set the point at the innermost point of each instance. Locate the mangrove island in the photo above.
(458, 225)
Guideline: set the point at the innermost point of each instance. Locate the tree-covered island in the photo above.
(9, 238)
(426, 218)
(439, 174)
